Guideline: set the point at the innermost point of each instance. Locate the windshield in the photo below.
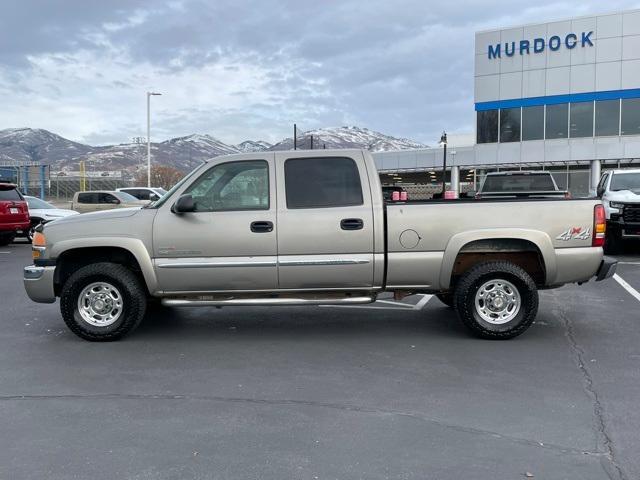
(625, 181)
(518, 183)
(172, 190)
(125, 197)
(37, 204)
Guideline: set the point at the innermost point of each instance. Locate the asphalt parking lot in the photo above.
(391, 390)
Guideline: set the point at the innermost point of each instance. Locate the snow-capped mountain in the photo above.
(22, 145)
(347, 137)
(253, 146)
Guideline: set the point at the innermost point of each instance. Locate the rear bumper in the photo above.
(13, 227)
(607, 268)
(38, 282)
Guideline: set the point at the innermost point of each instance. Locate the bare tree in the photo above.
(161, 176)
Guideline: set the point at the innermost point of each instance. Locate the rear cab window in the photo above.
(322, 182)
(518, 183)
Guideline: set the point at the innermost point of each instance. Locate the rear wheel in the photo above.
(496, 300)
(103, 302)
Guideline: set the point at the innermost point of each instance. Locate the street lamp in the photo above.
(149, 94)
(443, 143)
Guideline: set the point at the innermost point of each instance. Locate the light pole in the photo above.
(149, 94)
(443, 142)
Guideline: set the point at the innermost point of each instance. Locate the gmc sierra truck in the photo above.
(311, 228)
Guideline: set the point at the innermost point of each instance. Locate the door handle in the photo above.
(261, 227)
(351, 224)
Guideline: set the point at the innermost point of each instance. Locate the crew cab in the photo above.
(311, 228)
(620, 193)
(521, 183)
(14, 213)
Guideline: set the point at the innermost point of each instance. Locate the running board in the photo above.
(205, 301)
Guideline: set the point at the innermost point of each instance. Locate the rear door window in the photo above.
(87, 198)
(322, 182)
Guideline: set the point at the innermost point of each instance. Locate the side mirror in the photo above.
(153, 197)
(184, 204)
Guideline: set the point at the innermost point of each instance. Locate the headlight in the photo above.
(616, 205)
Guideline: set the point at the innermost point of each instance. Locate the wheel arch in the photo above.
(73, 254)
(520, 246)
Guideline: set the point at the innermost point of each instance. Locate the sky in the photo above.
(242, 70)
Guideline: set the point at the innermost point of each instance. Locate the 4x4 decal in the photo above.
(575, 233)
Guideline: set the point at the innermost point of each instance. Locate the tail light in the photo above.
(599, 226)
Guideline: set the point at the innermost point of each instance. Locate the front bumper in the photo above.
(607, 268)
(38, 282)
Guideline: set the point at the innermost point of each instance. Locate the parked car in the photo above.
(144, 193)
(84, 202)
(42, 212)
(620, 194)
(309, 228)
(520, 184)
(14, 213)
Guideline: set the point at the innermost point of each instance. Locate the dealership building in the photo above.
(561, 96)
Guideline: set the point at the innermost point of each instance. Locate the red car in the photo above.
(14, 213)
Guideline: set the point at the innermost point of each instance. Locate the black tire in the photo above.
(475, 278)
(6, 239)
(447, 299)
(134, 301)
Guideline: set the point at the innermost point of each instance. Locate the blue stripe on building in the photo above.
(557, 99)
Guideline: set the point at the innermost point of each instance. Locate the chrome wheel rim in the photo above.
(100, 304)
(497, 301)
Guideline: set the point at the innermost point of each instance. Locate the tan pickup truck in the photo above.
(310, 228)
(97, 200)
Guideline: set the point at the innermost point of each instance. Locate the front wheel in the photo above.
(103, 302)
(496, 300)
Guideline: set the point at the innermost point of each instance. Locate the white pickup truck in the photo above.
(310, 228)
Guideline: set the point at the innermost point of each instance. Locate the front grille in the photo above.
(631, 213)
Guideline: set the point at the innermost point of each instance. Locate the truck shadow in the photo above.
(290, 322)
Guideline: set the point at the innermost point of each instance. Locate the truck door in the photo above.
(229, 241)
(325, 222)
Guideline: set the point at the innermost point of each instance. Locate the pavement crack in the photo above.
(604, 436)
(310, 403)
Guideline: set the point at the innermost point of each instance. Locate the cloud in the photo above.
(249, 69)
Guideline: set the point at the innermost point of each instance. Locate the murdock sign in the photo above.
(538, 45)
